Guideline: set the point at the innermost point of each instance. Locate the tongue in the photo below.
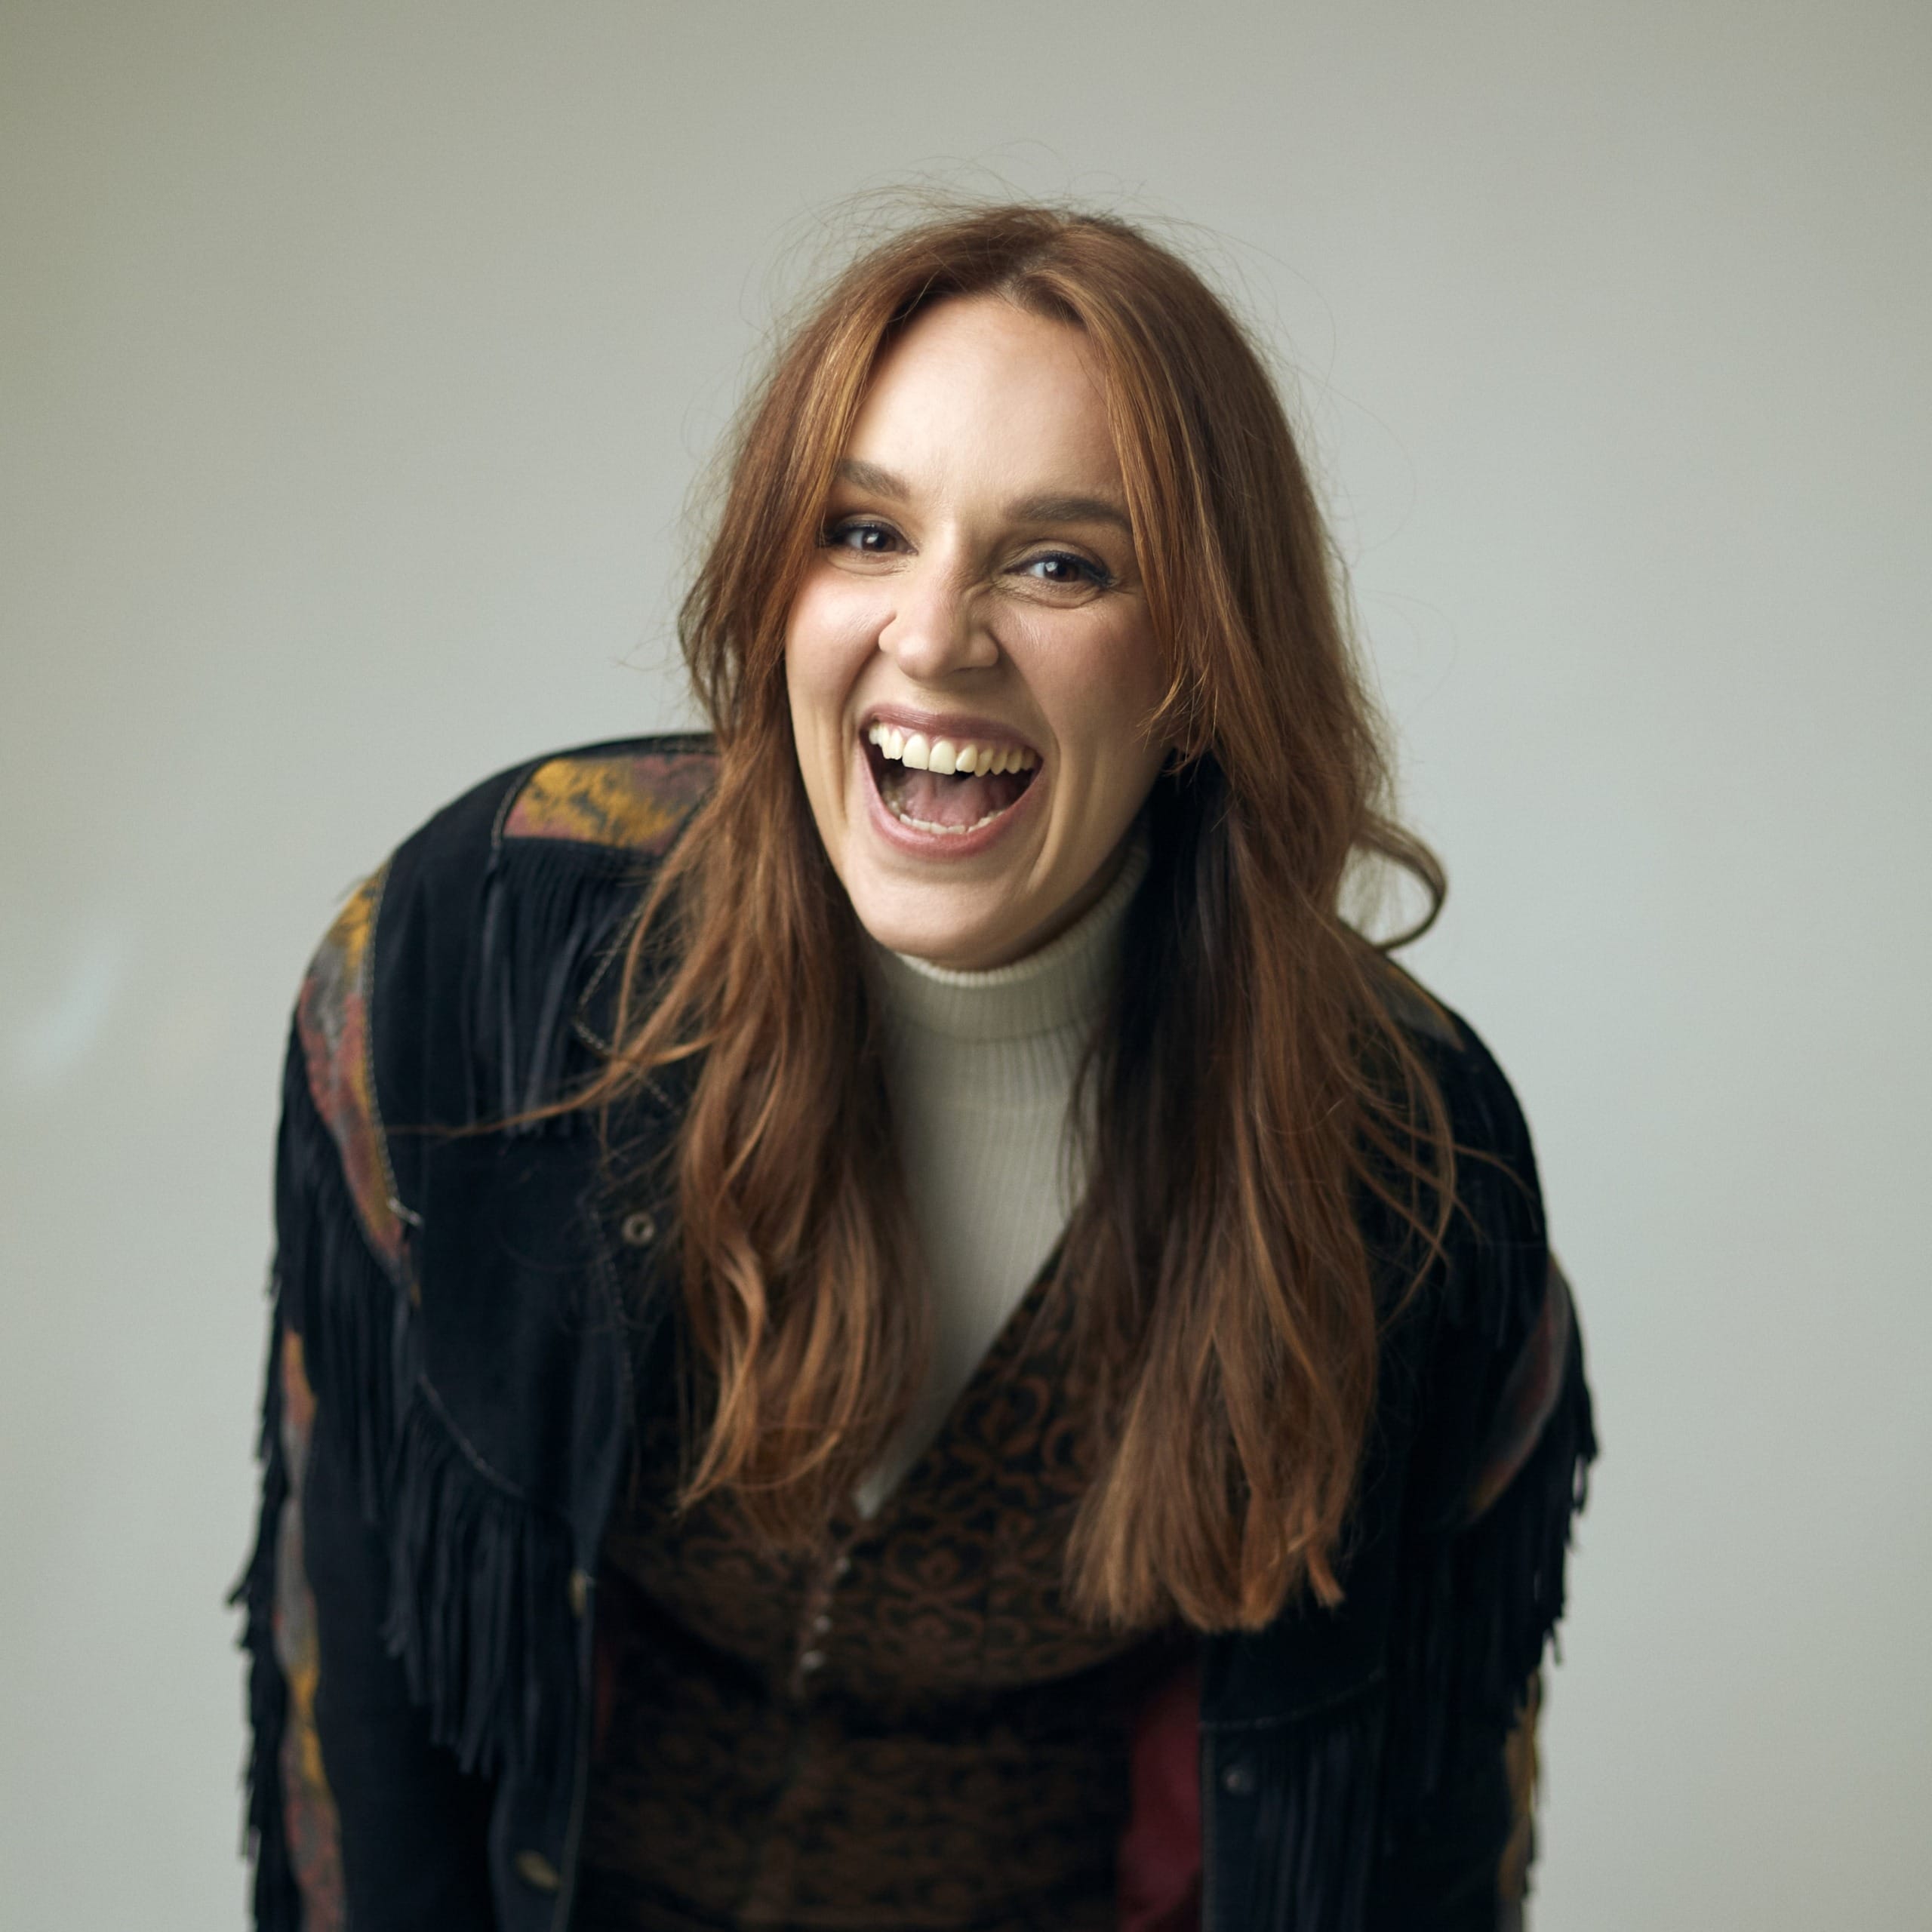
(939, 800)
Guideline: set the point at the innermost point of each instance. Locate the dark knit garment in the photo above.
(910, 1729)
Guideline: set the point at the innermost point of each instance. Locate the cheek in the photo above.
(829, 640)
(1141, 671)
(825, 649)
(1102, 694)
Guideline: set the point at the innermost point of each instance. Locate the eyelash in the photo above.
(1097, 575)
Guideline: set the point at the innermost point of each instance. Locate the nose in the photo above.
(937, 627)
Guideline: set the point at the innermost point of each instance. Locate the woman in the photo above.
(884, 1318)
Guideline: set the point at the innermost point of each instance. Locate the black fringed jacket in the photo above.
(460, 1320)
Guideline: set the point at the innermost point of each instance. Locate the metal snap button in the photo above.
(811, 1660)
(820, 1625)
(1237, 1780)
(637, 1229)
(537, 1872)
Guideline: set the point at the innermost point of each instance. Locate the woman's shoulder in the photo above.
(1506, 1375)
(448, 990)
(613, 807)
(1489, 1282)
(622, 799)
(1485, 1118)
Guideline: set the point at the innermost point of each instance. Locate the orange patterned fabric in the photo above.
(309, 1813)
(332, 1020)
(637, 801)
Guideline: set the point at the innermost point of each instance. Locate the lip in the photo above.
(929, 847)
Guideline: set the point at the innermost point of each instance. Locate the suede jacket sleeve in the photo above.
(348, 1782)
(445, 1412)
(1504, 1436)
(1362, 1767)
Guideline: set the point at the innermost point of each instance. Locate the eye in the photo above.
(1065, 570)
(864, 537)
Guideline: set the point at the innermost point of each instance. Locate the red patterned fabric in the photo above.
(1160, 1850)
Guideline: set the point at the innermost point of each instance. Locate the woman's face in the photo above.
(969, 658)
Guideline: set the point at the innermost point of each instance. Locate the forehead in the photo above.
(979, 391)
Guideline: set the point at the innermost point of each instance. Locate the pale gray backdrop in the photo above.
(355, 361)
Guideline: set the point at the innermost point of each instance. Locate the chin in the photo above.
(921, 922)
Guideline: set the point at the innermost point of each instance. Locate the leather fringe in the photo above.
(278, 1902)
(479, 1582)
(547, 914)
(353, 1316)
(1315, 1834)
(1471, 1635)
(478, 1606)
(1481, 1598)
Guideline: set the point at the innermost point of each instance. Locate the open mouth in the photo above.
(947, 785)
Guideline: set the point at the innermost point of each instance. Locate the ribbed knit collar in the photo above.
(1063, 986)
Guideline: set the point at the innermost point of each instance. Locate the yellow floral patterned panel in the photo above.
(332, 1020)
(637, 801)
(309, 1813)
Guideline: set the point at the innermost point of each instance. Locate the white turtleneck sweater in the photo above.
(980, 1068)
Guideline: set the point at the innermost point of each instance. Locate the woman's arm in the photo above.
(1469, 1648)
(1504, 1437)
(354, 1815)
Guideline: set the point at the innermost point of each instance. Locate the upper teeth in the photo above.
(923, 754)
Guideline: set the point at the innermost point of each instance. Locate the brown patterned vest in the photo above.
(910, 1729)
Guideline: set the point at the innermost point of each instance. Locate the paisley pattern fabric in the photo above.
(910, 1727)
(309, 1813)
(636, 800)
(332, 1021)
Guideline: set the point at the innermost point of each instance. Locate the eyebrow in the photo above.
(863, 475)
(1046, 509)
(1069, 510)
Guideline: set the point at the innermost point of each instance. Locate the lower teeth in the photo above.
(948, 831)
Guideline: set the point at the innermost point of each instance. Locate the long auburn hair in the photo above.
(1250, 1099)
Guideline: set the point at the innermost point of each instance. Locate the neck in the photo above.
(979, 1068)
(1064, 982)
